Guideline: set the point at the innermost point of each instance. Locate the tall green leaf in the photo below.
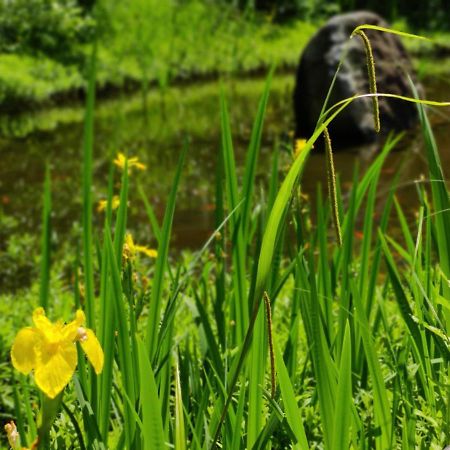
(161, 262)
(88, 144)
(292, 411)
(343, 409)
(45, 241)
(153, 431)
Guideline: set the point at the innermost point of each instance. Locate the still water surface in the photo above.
(187, 112)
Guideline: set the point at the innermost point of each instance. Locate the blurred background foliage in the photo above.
(44, 44)
(55, 28)
(420, 14)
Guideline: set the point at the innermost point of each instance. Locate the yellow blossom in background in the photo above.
(121, 159)
(49, 349)
(150, 252)
(130, 249)
(299, 146)
(102, 204)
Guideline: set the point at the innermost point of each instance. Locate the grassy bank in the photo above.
(191, 42)
(145, 44)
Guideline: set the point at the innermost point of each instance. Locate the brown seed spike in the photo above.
(372, 77)
(271, 353)
(332, 193)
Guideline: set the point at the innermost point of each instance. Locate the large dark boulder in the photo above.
(318, 65)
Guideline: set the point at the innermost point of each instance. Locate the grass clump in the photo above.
(358, 332)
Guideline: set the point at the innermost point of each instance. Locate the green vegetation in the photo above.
(350, 350)
(147, 42)
(25, 80)
(41, 27)
(298, 324)
(426, 14)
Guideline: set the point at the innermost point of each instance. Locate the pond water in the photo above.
(29, 140)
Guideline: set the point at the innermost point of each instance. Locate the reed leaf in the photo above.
(152, 427)
(292, 411)
(161, 262)
(44, 284)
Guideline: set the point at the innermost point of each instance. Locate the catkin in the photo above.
(331, 178)
(272, 358)
(372, 78)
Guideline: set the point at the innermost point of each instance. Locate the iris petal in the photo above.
(93, 350)
(57, 370)
(150, 252)
(41, 321)
(70, 330)
(23, 352)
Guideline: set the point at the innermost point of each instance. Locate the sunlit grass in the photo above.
(358, 332)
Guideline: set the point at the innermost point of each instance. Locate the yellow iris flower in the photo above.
(102, 204)
(299, 146)
(49, 349)
(121, 159)
(130, 249)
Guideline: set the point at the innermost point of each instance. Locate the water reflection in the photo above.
(27, 141)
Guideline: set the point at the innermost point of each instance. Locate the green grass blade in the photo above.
(88, 144)
(324, 369)
(344, 396)
(441, 202)
(76, 426)
(377, 257)
(237, 441)
(292, 411)
(94, 440)
(367, 238)
(219, 251)
(106, 336)
(274, 178)
(150, 214)
(252, 155)
(20, 419)
(346, 258)
(400, 296)
(228, 155)
(180, 436)
(107, 318)
(126, 364)
(161, 262)
(405, 228)
(256, 372)
(404, 98)
(239, 305)
(121, 219)
(382, 409)
(214, 352)
(45, 242)
(153, 431)
(390, 31)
